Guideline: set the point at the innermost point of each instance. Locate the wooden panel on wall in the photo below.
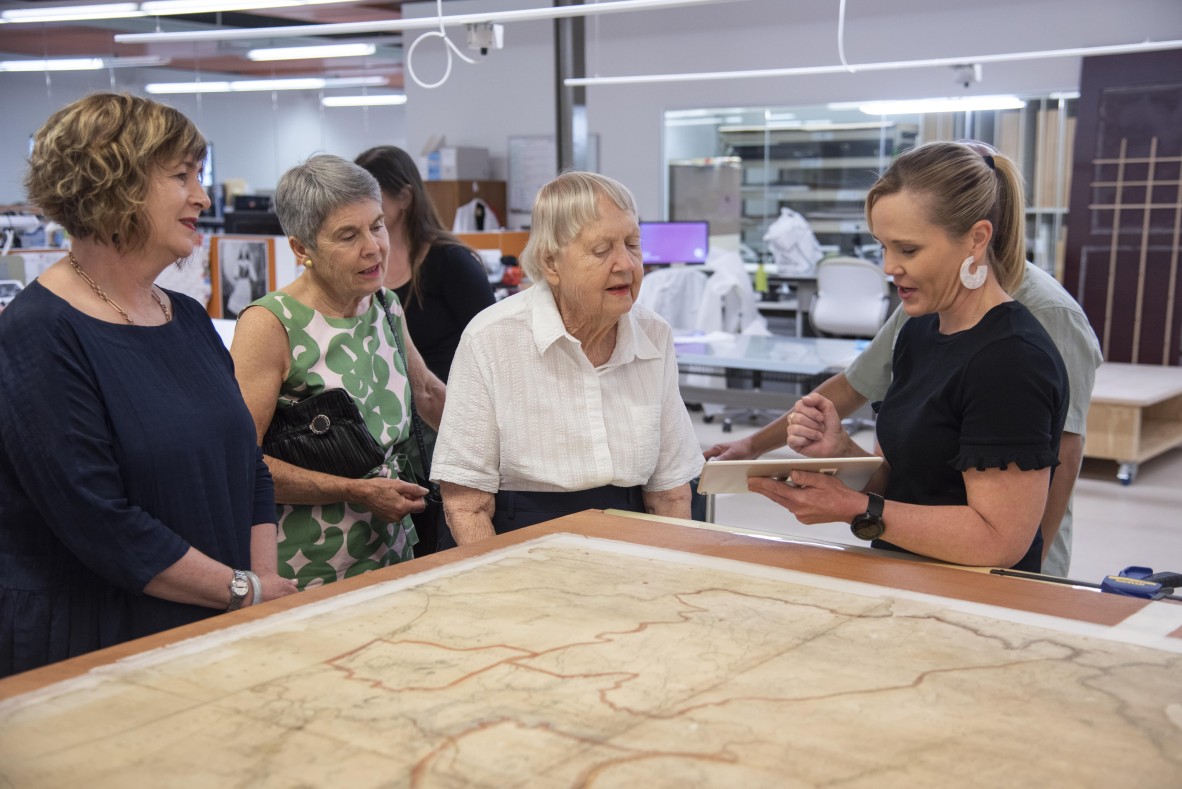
(1126, 205)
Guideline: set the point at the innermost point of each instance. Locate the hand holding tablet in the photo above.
(730, 476)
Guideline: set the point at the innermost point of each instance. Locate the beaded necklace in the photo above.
(102, 294)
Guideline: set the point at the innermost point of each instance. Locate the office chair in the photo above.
(852, 300)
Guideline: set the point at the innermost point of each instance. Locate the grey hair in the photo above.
(561, 210)
(309, 192)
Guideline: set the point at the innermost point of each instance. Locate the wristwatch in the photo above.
(869, 525)
(239, 587)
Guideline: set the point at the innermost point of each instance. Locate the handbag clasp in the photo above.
(320, 424)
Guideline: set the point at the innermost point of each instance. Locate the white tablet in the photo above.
(730, 476)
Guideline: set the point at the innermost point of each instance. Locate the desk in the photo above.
(1135, 415)
(606, 650)
(804, 288)
(791, 359)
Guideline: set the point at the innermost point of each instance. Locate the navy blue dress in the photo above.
(120, 447)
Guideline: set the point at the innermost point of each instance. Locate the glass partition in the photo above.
(740, 167)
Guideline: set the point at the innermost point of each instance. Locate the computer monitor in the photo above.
(252, 223)
(674, 242)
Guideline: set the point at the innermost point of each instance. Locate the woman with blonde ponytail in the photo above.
(971, 424)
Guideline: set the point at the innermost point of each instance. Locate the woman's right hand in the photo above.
(814, 428)
(274, 586)
(390, 499)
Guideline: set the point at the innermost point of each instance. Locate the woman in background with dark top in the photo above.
(441, 283)
(133, 497)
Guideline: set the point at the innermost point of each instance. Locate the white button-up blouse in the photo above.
(527, 411)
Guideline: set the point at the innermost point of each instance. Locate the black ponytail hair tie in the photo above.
(989, 161)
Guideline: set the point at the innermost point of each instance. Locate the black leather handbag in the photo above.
(324, 433)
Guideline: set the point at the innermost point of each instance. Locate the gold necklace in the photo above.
(102, 294)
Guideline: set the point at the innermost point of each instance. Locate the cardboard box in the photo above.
(451, 163)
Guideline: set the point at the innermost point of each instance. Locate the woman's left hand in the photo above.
(812, 497)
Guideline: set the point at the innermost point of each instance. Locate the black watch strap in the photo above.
(869, 525)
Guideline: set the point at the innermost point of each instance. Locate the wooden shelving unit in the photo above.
(1135, 415)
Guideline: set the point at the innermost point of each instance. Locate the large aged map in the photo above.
(569, 661)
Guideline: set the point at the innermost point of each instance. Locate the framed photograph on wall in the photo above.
(241, 269)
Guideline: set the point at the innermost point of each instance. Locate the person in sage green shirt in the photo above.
(867, 379)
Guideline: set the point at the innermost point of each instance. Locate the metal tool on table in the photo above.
(1133, 581)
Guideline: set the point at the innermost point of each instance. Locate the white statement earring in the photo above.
(973, 280)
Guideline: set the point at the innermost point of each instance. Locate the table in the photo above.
(800, 360)
(1135, 415)
(606, 650)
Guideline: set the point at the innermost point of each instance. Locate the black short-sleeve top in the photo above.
(982, 398)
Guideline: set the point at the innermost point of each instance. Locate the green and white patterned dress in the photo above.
(321, 543)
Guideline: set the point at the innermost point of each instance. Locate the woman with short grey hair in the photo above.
(565, 397)
(328, 329)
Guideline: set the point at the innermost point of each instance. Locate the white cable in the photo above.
(841, 37)
(449, 48)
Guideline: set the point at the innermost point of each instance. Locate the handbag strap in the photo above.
(414, 412)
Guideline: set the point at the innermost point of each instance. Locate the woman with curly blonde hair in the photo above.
(133, 497)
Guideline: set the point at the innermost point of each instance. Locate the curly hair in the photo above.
(93, 161)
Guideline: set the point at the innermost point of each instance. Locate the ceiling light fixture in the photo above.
(306, 53)
(423, 23)
(382, 100)
(252, 85)
(66, 13)
(170, 7)
(83, 64)
(921, 106)
(1113, 49)
(951, 104)
(71, 13)
(62, 64)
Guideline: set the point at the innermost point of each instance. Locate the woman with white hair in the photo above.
(564, 397)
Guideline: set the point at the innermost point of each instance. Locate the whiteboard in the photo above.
(533, 162)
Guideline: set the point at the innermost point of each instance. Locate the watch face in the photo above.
(867, 527)
(240, 586)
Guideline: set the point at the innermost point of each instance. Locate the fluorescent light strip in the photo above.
(83, 64)
(383, 100)
(167, 7)
(424, 23)
(71, 12)
(304, 53)
(953, 104)
(1114, 49)
(150, 8)
(253, 85)
(62, 64)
